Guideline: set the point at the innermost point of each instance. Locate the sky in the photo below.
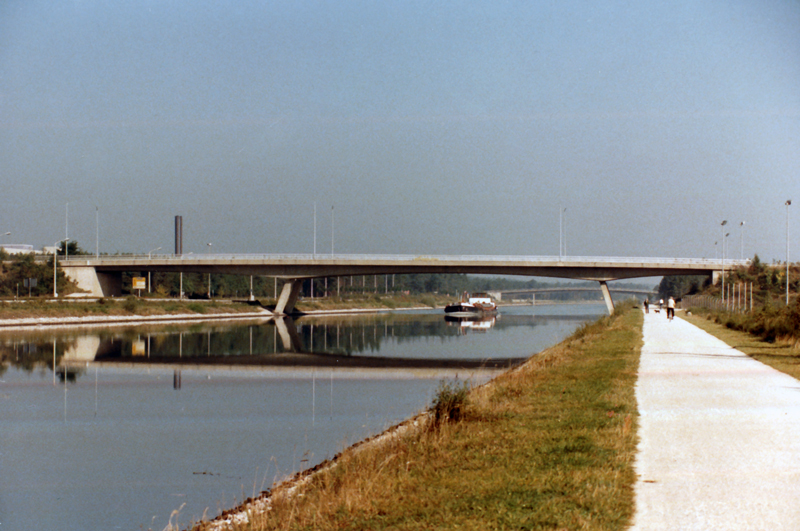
(620, 128)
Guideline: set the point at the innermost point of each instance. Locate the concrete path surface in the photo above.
(720, 435)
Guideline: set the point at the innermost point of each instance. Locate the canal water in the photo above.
(138, 427)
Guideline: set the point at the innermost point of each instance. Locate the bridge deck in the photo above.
(309, 266)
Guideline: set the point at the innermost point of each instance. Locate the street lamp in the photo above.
(724, 222)
(741, 251)
(315, 235)
(209, 277)
(562, 244)
(788, 203)
(148, 273)
(724, 249)
(8, 234)
(55, 266)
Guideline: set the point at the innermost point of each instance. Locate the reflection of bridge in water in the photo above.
(308, 341)
(324, 341)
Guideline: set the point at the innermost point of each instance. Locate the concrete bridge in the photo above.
(101, 277)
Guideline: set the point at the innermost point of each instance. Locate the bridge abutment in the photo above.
(94, 283)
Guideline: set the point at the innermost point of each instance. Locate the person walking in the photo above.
(646, 306)
(670, 308)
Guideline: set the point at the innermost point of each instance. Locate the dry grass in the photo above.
(782, 354)
(112, 307)
(549, 445)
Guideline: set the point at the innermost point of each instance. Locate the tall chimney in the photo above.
(179, 235)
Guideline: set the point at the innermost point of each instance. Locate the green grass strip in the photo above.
(783, 355)
(549, 445)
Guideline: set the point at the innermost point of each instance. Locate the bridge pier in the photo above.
(607, 297)
(288, 297)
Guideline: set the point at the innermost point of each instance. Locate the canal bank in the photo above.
(68, 312)
(548, 444)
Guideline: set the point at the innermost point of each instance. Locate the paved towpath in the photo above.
(720, 435)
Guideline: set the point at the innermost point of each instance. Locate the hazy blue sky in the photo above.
(432, 127)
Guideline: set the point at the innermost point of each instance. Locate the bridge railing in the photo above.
(228, 257)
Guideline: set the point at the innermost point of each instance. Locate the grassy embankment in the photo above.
(119, 307)
(35, 308)
(781, 353)
(549, 445)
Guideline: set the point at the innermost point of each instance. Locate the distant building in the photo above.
(17, 248)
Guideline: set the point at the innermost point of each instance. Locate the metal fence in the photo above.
(738, 299)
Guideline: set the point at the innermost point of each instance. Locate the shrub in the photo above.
(130, 305)
(449, 402)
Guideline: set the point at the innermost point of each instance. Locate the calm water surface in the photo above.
(116, 428)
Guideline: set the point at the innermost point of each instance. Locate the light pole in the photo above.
(9, 234)
(788, 203)
(55, 266)
(209, 277)
(315, 232)
(722, 225)
(724, 249)
(332, 230)
(66, 234)
(741, 251)
(562, 243)
(148, 273)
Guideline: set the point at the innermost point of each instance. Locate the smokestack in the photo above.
(179, 235)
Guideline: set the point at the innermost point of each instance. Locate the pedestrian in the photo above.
(646, 306)
(660, 305)
(670, 308)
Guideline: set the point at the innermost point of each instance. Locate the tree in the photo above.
(73, 248)
(679, 285)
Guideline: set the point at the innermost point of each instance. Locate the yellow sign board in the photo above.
(139, 283)
(138, 348)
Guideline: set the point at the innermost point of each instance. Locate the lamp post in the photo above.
(209, 276)
(55, 266)
(148, 273)
(562, 243)
(315, 234)
(66, 234)
(788, 203)
(741, 243)
(724, 249)
(724, 222)
(8, 234)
